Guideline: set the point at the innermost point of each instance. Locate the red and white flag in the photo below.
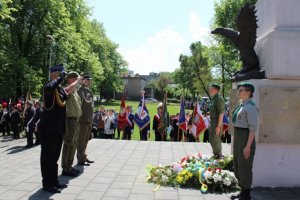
(123, 120)
(198, 123)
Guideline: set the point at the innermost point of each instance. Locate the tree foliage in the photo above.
(194, 73)
(80, 43)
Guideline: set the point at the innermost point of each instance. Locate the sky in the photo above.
(151, 34)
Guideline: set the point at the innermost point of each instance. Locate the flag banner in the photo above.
(182, 122)
(225, 123)
(197, 121)
(123, 120)
(164, 117)
(141, 117)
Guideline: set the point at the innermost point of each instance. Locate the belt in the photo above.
(73, 117)
(241, 129)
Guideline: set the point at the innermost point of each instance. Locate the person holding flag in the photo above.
(142, 119)
(197, 123)
(182, 121)
(123, 120)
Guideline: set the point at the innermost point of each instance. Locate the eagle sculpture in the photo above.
(244, 40)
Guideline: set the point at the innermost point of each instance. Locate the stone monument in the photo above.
(277, 158)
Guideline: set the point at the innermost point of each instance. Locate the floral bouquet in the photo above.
(196, 171)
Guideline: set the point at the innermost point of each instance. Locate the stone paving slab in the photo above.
(119, 172)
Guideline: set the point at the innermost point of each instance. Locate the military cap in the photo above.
(57, 68)
(72, 74)
(247, 85)
(86, 77)
(215, 85)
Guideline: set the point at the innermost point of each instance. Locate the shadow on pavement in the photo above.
(40, 194)
(17, 149)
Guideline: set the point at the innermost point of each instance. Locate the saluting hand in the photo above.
(247, 151)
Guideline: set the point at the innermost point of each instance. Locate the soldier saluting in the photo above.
(52, 126)
(86, 120)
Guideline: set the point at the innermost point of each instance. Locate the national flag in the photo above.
(197, 121)
(123, 120)
(182, 123)
(164, 117)
(141, 117)
(225, 123)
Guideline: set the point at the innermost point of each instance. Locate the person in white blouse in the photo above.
(109, 124)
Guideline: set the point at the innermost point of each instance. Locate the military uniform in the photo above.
(73, 112)
(245, 119)
(29, 113)
(85, 122)
(216, 108)
(52, 126)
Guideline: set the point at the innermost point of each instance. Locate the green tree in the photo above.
(80, 43)
(226, 12)
(195, 73)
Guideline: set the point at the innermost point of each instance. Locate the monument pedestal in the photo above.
(277, 158)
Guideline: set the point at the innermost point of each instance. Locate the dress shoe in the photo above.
(61, 186)
(235, 196)
(70, 173)
(89, 161)
(27, 146)
(83, 164)
(52, 189)
(75, 170)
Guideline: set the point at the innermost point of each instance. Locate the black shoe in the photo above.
(235, 196)
(69, 173)
(89, 161)
(75, 170)
(83, 164)
(27, 146)
(61, 186)
(245, 195)
(52, 189)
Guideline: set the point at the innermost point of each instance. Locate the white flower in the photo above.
(164, 179)
(168, 172)
(207, 174)
(158, 172)
(217, 177)
(227, 181)
(154, 179)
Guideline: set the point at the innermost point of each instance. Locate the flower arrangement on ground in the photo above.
(196, 171)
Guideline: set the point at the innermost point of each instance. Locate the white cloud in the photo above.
(198, 31)
(157, 54)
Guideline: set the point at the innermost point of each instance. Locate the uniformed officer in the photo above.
(85, 121)
(29, 113)
(216, 110)
(73, 112)
(245, 121)
(52, 125)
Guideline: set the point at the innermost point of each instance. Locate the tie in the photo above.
(236, 111)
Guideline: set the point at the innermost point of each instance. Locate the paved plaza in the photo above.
(119, 172)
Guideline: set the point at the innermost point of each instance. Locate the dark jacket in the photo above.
(53, 118)
(128, 129)
(29, 113)
(15, 119)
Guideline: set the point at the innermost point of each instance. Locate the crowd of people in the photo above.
(65, 121)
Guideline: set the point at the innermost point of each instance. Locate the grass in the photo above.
(152, 107)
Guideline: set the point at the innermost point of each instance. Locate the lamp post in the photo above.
(50, 40)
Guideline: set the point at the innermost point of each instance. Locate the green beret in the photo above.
(247, 85)
(215, 85)
(72, 75)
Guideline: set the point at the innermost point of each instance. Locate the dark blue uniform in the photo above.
(52, 128)
(29, 113)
